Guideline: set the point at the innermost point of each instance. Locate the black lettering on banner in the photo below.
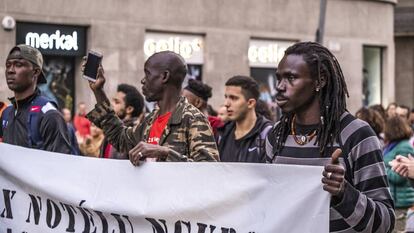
(52, 210)
(71, 210)
(7, 203)
(178, 229)
(121, 224)
(36, 206)
(156, 227)
(202, 228)
(227, 230)
(88, 218)
(103, 220)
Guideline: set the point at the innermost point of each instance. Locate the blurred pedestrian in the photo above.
(375, 120)
(391, 110)
(175, 131)
(197, 94)
(316, 129)
(411, 118)
(397, 133)
(67, 116)
(128, 105)
(222, 113)
(403, 111)
(32, 120)
(81, 123)
(380, 109)
(243, 137)
(92, 143)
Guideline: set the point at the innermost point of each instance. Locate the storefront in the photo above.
(60, 46)
(190, 47)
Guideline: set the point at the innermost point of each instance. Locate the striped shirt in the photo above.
(367, 204)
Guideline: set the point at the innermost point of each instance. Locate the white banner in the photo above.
(48, 192)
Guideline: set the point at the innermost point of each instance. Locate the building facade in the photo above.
(404, 52)
(218, 39)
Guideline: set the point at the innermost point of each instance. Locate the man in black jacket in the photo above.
(243, 137)
(33, 120)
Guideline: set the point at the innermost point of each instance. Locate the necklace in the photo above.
(301, 139)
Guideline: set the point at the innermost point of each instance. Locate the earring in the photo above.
(317, 89)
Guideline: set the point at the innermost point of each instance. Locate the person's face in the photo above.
(95, 131)
(222, 114)
(118, 102)
(192, 99)
(152, 83)
(67, 115)
(20, 74)
(236, 104)
(82, 109)
(402, 112)
(391, 111)
(295, 86)
(411, 118)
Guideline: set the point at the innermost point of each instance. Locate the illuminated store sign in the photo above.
(190, 47)
(266, 53)
(52, 39)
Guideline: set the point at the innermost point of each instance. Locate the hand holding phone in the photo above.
(93, 61)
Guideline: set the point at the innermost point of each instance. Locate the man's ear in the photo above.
(129, 110)
(198, 103)
(36, 72)
(321, 82)
(251, 103)
(166, 76)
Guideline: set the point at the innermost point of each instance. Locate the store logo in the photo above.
(186, 48)
(271, 53)
(55, 41)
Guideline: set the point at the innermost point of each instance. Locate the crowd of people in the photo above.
(367, 164)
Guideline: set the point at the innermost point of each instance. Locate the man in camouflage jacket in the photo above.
(186, 137)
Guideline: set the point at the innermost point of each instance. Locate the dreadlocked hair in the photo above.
(332, 96)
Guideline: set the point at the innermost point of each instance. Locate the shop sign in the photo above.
(266, 53)
(52, 39)
(190, 47)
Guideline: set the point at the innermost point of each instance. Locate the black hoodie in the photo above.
(250, 148)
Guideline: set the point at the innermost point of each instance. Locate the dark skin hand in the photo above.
(145, 150)
(334, 177)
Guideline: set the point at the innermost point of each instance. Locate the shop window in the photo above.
(372, 76)
(60, 86)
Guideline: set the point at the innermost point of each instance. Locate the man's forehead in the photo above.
(233, 90)
(292, 63)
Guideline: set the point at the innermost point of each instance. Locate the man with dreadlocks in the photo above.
(316, 129)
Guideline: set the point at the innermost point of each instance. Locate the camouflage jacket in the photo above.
(187, 134)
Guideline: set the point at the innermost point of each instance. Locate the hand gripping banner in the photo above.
(44, 192)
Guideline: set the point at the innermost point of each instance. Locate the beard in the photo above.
(121, 114)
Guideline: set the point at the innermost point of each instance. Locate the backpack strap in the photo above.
(5, 117)
(261, 140)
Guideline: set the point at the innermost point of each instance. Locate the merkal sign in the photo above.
(53, 39)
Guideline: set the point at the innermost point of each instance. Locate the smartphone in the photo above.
(92, 64)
